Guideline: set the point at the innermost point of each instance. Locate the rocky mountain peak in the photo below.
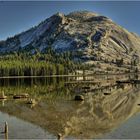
(81, 15)
(86, 16)
(59, 14)
(88, 36)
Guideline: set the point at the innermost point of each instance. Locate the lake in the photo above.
(109, 110)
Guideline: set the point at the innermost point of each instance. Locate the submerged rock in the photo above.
(31, 101)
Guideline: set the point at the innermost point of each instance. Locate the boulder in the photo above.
(79, 98)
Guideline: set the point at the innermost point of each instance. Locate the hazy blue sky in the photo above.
(19, 16)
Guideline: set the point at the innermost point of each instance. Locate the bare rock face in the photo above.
(88, 36)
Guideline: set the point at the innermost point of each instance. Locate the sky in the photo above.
(18, 16)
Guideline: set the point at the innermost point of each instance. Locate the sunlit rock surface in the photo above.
(88, 36)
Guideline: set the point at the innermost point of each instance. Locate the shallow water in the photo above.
(21, 129)
(128, 130)
(55, 111)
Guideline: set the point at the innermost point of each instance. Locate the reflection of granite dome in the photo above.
(100, 115)
(97, 115)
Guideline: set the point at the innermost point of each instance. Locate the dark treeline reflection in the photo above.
(35, 87)
(32, 81)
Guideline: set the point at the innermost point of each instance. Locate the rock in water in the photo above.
(79, 98)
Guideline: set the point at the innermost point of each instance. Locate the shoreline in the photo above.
(46, 76)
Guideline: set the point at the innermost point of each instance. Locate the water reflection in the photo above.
(57, 112)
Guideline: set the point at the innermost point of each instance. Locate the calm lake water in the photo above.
(110, 110)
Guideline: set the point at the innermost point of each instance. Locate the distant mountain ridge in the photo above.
(88, 36)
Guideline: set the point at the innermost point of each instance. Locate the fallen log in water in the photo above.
(21, 96)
